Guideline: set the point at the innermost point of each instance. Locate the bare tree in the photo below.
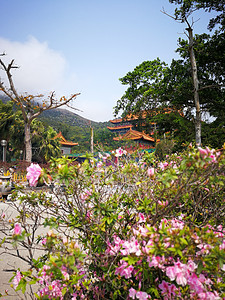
(194, 73)
(30, 109)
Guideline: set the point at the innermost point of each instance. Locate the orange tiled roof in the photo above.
(120, 127)
(63, 141)
(131, 116)
(135, 135)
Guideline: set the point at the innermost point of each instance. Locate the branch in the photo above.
(165, 13)
(74, 108)
(16, 97)
(7, 69)
(2, 88)
(181, 19)
(54, 104)
(9, 75)
(211, 86)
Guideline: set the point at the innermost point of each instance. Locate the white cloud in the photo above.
(41, 69)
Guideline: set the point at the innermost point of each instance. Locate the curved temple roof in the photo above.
(135, 135)
(63, 141)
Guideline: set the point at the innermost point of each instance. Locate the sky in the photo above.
(74, 46)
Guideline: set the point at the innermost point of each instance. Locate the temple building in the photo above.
(126, 130)
(66, 146)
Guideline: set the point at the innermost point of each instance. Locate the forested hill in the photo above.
(56, 116)
(77, 129)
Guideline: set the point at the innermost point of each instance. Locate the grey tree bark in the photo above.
(194, 73)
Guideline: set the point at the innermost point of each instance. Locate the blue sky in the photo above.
(85, 46)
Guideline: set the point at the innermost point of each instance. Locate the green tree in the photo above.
(180, 85)
(145, 87)
(103, 139)
(154, 86)
(6, 119)
(50, 147)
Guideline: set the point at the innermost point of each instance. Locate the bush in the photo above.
(138, 229)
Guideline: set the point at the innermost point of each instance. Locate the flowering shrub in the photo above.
(139, 229)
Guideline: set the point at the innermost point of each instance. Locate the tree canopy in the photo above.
(154, 84)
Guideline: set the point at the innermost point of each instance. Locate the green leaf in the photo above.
(200, 267)
(183, 241)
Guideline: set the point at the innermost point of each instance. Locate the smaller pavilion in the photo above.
(66, 146)
(143, 140)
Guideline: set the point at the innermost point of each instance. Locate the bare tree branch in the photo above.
(211, 86)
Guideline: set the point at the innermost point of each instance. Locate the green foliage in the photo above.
(6, 117)
(164, 147)
(144, 87)
(153, 84)
(50, 147)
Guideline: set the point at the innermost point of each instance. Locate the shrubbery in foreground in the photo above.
(146, 230)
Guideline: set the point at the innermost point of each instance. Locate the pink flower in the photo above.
(132, 293)
(85, 194)
(131, 247)
(155, 262)
(203, 152)
(142, 295)
(44, 241)
(142, 218)
(163, 204)
(120, 152)
(181, 279)
(124, 270)
(162, 165)
(17, 229)
(17, 279)
(209, 296)
(164, 286)
(66, 275)
(171, 273)
(191, 266)
(104, 158)
(151, 172)
(115, 249)
(99, 164)
(33, 173)
(168, 289)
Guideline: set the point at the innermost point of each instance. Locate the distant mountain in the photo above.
(54, 116)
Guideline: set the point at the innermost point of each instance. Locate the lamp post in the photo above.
(4, 144)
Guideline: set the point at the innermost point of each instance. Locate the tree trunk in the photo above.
(196, 87)
(28, 146)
